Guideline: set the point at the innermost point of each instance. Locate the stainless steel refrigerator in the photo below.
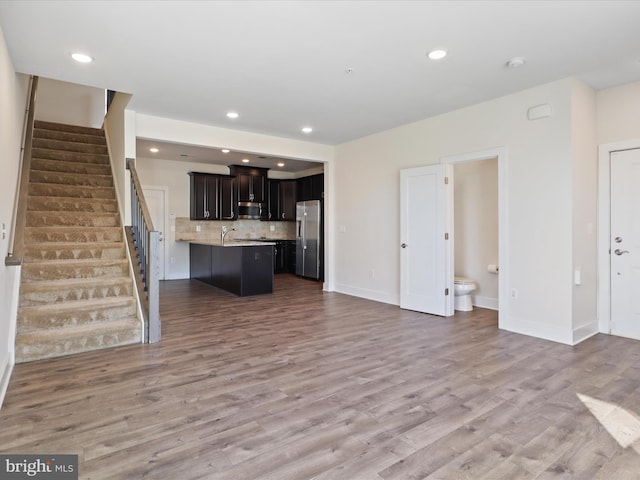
(308, 239)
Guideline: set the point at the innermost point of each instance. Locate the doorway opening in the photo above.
(475, 234)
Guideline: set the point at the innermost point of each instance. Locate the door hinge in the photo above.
(446, 180)
(446, 292)
(446, 236)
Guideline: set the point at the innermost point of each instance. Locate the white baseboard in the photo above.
(368, 294)
(4, 381)
(586, 331)
(485, 302)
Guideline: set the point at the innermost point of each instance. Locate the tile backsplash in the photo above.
(187, 230)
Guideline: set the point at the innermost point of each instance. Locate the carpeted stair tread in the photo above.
(79, 312)
(62, 127)
(64, 178)
(46, 270)
(69, 290)
(48, 154)
(72, 204)
(68, 136)
(76, 191)
(48, 165)
(82, 338)
(64, 146)
(73, 234)
(39, 218)
(74, 251)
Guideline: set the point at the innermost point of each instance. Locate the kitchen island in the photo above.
(240, 267)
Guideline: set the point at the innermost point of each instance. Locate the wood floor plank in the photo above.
(305, 384)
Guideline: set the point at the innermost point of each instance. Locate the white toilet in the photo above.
(462, 289)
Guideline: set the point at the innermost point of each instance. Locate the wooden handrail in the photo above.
(146, 243)
(138, 187)
(16, 238)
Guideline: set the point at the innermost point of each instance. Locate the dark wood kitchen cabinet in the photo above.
(212, 196)
(251, 183)
(272, 210)
(310, 188)
(287, 200)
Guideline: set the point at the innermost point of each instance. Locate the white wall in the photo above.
(115, 132)
(476, 226)
(539, 200)
(585, 209)
(13, 96)
(619, 113)
(69, 103)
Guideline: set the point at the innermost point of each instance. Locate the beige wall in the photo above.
(69, 103)
(539, 199)
(13, 96)
(619, 113)
(476, 226)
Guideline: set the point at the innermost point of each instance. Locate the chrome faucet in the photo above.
(224, 232)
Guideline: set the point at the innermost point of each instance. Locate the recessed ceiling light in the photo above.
(306, 129)
(225, 150)
(515, 62)
(437, 54)
(280, 164)
(232, 114)
(154, 150)
(245, 160)
(81, 57)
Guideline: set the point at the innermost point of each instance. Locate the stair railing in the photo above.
(19, 220)
(147, 247)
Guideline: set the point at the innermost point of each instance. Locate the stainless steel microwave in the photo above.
(249, 210)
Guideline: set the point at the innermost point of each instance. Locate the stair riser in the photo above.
(69, 146)
(40, 176)
(73, 219)
(34, 254)
(30, 295)
(59, 204)
(70, 167)
(34, 346)
(37, 272)
(53, 190)
(31, 321)
(68, 136)
(36, 235)
(47, 154)
(59, 127)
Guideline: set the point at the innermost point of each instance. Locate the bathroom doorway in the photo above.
(496, 170)
(475, 202)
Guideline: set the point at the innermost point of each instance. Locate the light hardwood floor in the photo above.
(305, 384)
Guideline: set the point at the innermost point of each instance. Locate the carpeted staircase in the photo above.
(76, 292)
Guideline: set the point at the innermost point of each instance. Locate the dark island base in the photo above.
(242, 270)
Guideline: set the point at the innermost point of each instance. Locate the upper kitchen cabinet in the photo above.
(212, 197)
(288, 200)
(272, 210)
(310, 188)
(251, 183)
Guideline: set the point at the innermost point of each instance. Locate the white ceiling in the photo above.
(283, 64)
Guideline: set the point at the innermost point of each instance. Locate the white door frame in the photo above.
(164, 244)
(503, 222)
(604, 227)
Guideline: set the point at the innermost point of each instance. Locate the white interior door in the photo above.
(625, 243)
(156, 203)
(426, 282)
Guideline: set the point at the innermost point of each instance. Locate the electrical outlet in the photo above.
(198, 228)
(372, 273)
(514, 293)
(272, 228)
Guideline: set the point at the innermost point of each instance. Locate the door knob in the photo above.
(404, 245)
(617, 251)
